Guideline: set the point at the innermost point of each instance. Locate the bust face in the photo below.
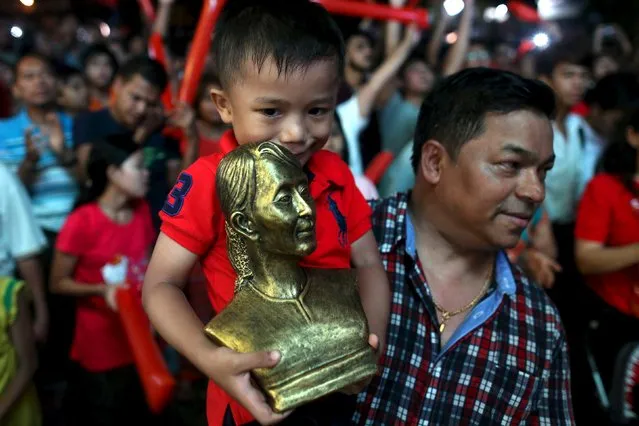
(284, 211)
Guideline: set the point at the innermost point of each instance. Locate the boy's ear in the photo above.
(221, 101)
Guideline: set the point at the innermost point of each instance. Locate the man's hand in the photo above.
(356, 388)
(183, 117)
(541, 267)
(32, 152)
(232, 372)
(153, 121)
(53, 130)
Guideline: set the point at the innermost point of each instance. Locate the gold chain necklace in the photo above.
(446, 315)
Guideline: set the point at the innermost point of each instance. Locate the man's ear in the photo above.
(432, 159)
(241, 224)
(221, 100)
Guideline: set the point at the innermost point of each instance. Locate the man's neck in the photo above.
(414, 98)
(560, 117)
(116, 116)
(353, 77)
(37, 114)
(444, 258)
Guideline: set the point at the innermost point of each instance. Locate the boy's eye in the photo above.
(269, 112)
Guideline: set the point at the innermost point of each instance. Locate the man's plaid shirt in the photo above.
(507, 364)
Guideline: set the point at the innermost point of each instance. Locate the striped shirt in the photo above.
(54, 190)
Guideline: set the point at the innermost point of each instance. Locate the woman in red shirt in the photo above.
(104, 244)
(607, 247)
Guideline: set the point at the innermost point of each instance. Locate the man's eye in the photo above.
(269, 112)
(510, 166)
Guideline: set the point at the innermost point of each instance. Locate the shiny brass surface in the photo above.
(312, 316)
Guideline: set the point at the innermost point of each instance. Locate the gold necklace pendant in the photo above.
(445, 317)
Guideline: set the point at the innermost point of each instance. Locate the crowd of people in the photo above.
(497, 254)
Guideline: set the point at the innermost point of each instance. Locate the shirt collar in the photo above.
(503, 273)
(399, 207)
(228, 142)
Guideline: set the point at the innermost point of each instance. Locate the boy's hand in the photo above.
(232, 372)
(356, 388)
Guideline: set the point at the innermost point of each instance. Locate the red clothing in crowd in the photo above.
(193, 218)
(609, 214)
(99, 341)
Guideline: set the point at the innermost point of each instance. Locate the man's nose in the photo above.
(531, 188)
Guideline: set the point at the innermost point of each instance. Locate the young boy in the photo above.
(280, 64)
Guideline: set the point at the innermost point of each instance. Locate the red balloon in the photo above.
(147, 9)
(377, 11)
(378, 166)
(199, 49)
(523, 12)
(157, 382)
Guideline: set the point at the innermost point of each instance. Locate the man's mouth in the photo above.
(519, 219)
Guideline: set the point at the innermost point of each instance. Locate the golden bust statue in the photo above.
(313, 317)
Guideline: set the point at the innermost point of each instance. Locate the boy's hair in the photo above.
(572, 53)
(615, 92)
(293, 33)
(454, 111)
(149, 69)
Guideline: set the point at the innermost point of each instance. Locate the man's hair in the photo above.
(615, 92)
(572, 53)
(293, 33)
(33, 55)
(454, 112)
(147, 68)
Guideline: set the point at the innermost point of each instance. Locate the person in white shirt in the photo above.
(565, 68)
(21, 242)
(607, 101)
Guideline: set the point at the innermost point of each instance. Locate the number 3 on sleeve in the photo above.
(175, 200)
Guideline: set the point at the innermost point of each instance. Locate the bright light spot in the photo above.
(489, 14)
(27, 3)
(541, 40)
(501, 13)
(453, 7)
(16, 31)
(451, 38)
(105, 30)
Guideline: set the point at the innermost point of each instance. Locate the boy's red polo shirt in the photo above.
(609, 214)
(193, 218)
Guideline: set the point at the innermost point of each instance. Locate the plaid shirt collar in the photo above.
(506, 364)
